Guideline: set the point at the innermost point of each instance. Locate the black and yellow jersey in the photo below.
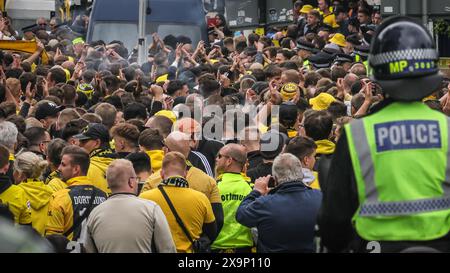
(71, 206)
(54, 181)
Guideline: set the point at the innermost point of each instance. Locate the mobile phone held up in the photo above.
(271, 183)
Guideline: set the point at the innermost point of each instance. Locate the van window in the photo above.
(191, 31)
(128, 32)
(109, 31)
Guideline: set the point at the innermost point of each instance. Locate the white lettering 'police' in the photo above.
(395, 135)
(383, 134)
(410, 134)
(434, 133)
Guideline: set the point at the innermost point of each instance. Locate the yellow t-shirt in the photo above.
(193, 208)
(329, 19)
(15, 198)
(197, 179)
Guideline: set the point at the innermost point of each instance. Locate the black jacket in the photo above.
(210, 149)
(263, 169)
(254, 159)
(199, 161)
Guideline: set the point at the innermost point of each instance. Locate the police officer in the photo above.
(389, 182)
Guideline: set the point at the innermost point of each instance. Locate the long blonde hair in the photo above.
(29, 164)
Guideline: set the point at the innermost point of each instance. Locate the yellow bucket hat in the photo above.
(306, 9)
(322, 101)
(338, 39)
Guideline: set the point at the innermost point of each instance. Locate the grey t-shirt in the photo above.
(126, 223)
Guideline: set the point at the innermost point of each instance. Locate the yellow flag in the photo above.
(23, 46)
(260, 31)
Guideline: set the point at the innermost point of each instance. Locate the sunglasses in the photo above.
(219, 156)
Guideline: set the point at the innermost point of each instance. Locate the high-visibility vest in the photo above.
(400, 161)
(306, 64)
(358, 58)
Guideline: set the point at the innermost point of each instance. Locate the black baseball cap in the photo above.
(47, 109)
(304, 44)
(94, 131)
(258, 87)
(288, 111)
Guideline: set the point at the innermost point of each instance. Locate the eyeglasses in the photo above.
(44, 24)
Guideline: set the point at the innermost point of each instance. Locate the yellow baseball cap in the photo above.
(322, 101)
(338, 39)
(78, 40)
(306, 9)
(288, 91)
(168, 114)
(162, 78)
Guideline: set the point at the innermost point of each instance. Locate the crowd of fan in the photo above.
(157, 116)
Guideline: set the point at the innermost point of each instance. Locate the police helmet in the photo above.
(404, 59)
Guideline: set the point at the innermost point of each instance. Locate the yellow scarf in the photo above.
(325, 147)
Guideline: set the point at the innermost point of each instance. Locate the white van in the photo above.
(25, 12)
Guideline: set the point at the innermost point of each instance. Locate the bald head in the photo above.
(174, 164)
(349, 80)
(238, 152)
(118, 176)
(178, 142)
(232, 158)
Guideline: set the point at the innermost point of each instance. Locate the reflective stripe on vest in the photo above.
(372, 206)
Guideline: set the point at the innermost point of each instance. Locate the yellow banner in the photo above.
(23, 46)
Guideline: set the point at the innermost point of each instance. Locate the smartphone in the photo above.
(271, 183)
(4, 13)
(39, 80)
